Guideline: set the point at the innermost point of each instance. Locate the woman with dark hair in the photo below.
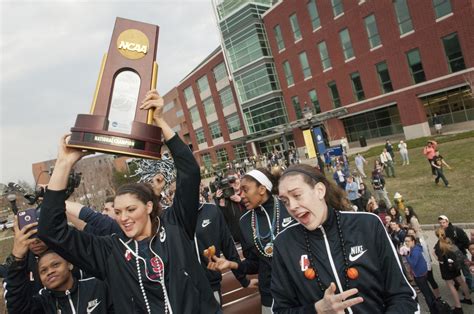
(333, 260)
(154, 269)
(395, 215)
(265, 219)
(412, 220)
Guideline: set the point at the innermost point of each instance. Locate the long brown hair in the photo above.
(144, 193)
(444, 243)
(335, 197)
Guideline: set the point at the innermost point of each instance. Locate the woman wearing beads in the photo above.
(333, 260)
(265, 219)
(153, 269)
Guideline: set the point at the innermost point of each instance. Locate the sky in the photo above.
(50, 58)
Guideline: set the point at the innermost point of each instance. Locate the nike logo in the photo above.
(92, 306)
(286, 222)
(354, 258)
(205, 223)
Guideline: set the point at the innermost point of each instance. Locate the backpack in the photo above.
(376, 183)
(441, 307)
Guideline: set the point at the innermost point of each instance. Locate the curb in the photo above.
(462, 225)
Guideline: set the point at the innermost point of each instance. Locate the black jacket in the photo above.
(458, 236)
(113, 260)
(254, 261)
(86, 296)
(232, 213)
(99, 224)
(211, 229)
(381, 281)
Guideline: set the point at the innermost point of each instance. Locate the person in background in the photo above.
(353, 192)
(412, 220)
(429, 151)
(108, 208)
(437, 123)
(378, 184)
(397, 234)
(359, 162)
(387, 160)
(395, 215)
(402, 147)
(471, 262)
(340, 177)
(389, 148)
(231, 206)
(365, 196)
(438, 162)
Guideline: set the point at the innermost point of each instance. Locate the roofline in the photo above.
(272, 8)
(214, 53)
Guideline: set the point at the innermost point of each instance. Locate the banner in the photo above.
(319, 139)
(308, 140)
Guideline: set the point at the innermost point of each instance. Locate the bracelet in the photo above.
(18, 258)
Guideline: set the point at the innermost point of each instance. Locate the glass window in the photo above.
(324, 54)
(258, 80)
(403, 16)
(288, 74)
(220, 72)
(384, 77)
(240, 152)
(313, 96)
(453, 52)
(357, 86)
(296, 106)
(226, 97)
(233, 123)
(295, 27)
(305, 65)
(314, 14)
(194, 114)
(416, 67)
(188, 94)
(200, 137)
(442, 7)
(168, 106)
(209, 107)
(336, 100)
(222, 157)
(337, 8)
(372, 31)
(279, 37)
(179, 113)
(346, 44)
(206, 160)
(265, 114)
(203, 84)
(215, 130)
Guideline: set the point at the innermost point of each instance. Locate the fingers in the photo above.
(351, 302)
(330, 290)
(28, 227)
(348, 293)
(16, 229)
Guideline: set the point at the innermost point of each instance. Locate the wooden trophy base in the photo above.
(90, 133)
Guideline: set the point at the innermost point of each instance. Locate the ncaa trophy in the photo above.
(116, 124)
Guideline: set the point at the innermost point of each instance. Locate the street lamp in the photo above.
(12, 199)
(307, 112)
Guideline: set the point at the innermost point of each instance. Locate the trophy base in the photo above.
(90, 133)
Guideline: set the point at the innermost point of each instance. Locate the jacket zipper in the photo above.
(333, 266)
(70, 301)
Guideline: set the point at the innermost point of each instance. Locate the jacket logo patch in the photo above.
(356, 252)
(304, 262)
(162, 234)
(128, 255)
(286, 221)
(206, 223)
(92, 305)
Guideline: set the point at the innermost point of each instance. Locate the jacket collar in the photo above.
(62, 294)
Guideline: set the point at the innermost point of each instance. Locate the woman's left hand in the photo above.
(70, 155)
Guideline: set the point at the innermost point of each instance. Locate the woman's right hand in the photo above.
(22, 240)
(336, 303)
(221, 264)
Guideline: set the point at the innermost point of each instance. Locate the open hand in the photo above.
(336, 303)
(220, 264)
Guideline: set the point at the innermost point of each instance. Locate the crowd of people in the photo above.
(316, 244)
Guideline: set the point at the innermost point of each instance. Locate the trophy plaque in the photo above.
(116, 124)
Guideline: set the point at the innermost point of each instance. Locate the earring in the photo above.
(71, 266)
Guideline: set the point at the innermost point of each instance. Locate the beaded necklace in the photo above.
(266, 251)
(311, 273)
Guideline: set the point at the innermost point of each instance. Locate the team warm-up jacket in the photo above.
(86, 296)
(369, 249)
(99, 224)
(115, 261)
(211, 229)
(254, 261)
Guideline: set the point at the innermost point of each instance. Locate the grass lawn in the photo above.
(417, 186)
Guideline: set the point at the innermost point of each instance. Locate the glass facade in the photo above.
(220, 72)
(305, 65)
(233, 123)
(194, 112)
(337, 8)
(279, 38)
(206, 160)
(240, 152)
(265, 115)
(384, 77)
(357, 88)
(334, 93)
(324, 55)
(442, 8)
(314, 14)
(222, 156)
(295, 27)
(226, 97)
(215, 130)
(346, 44)
(453, 52)
(403, 16)
(253, 83)
(415, 65)
(313, 96)
(200, 137)
(288, 73)
(378, 123)
(297, 107)
(209, 107)
(203, 84)
(372, 31)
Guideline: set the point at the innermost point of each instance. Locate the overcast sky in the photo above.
(50, 58)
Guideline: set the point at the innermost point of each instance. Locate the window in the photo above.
(203, 84)
(209, 107)
(179, 113)
(215, 130)
(314, 14)
(206, 160)
(200, 137)
(222, 157)
(226, 97)
(403, 16)
(279, 38)
(194, 114)
(240, 152)
(295, 27)
(453, 52)
(336, 100)
(305, 65)
(323, 53)
(288, 73)
(168, 106)
(296, 106)
(177, 128)
(384, 77)
(442, 7)
(416, 68)
(220, 72)
(188, 94)
(233, 123)
(313, 96)
(337, 8)
(357, 86)
(346, 44)
(372, 31)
